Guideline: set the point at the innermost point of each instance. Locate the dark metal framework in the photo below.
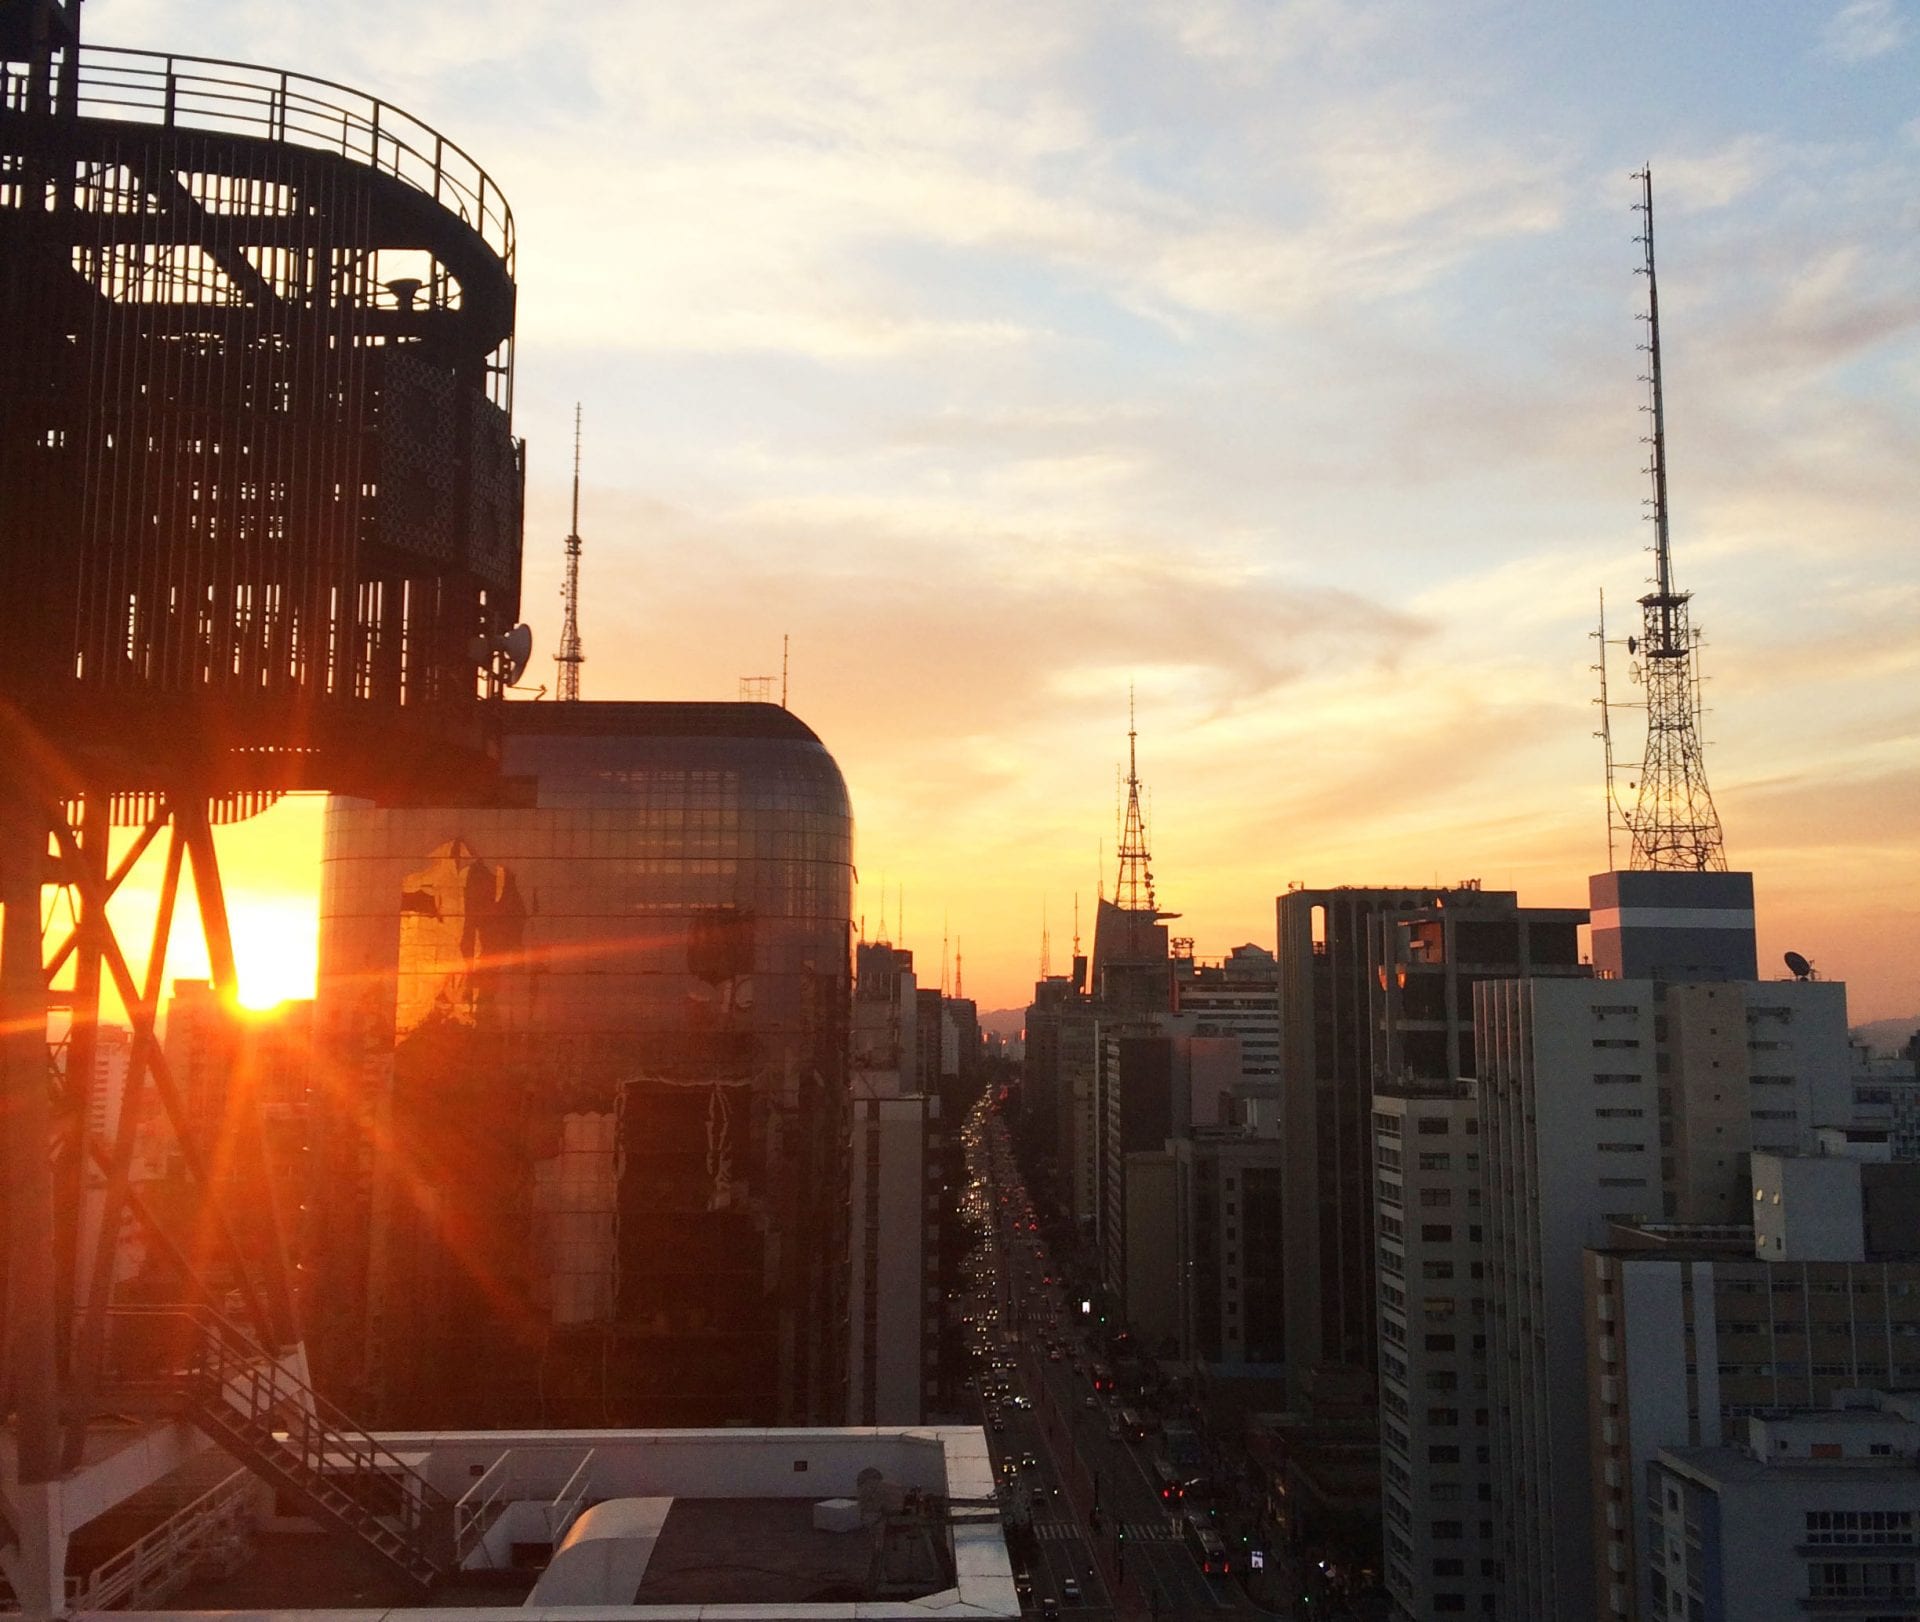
(1673, 824)
(260, 510)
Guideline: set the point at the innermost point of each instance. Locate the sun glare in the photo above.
(275, 950)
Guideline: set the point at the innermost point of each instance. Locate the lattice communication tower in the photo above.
(570, 658)
(1133, 886)
(1673, 824)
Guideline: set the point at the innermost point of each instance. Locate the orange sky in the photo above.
(1278, 360)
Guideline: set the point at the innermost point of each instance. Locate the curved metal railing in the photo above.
(241, 98)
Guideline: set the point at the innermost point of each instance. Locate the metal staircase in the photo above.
(270, 1419)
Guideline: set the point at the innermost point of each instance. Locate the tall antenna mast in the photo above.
(1046, 942)
(1605, 734)
(1674, 824)
(1133, 887)
(570, 658)
(959, 972)
(1076, 923)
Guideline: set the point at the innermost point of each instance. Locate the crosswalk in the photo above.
(1137, 1532)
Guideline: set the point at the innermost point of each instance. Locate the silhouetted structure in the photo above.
(262, 506)
(1673, 823)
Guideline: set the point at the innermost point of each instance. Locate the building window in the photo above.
(1840, 1526)
(1433, 1126)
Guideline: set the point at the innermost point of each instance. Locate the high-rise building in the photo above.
(894, 1230)
(1335, 1052)
(1692, 1330)
(1614, 1101)
(1239, 997)
(1232, 1255)
(1439, 1551)
(1138, 1066)
(588, 1162)
(1077, 1112)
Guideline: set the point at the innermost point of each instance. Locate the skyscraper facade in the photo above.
(1607, 1102)
(1340, 1041)
(586, 1140)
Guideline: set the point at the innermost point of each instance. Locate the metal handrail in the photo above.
(566, 1503)
(153, 1566)
(479, 1506)
(242, 98)
(324, 1439)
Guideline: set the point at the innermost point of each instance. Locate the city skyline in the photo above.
(1279, 361)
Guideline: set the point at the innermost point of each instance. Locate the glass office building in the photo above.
(582, 1152)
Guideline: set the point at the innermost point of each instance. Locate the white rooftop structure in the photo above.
(654, 1526)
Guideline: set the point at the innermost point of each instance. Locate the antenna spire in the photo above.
(1133, 887)
(1046, 942)
(570, 658)
(1674, 824)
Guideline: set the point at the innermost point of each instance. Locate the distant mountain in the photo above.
(1007, 1022)
(1887, 1035)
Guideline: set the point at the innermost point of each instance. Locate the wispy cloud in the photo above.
(1863, 30)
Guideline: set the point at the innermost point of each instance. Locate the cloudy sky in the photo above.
(1278, 359)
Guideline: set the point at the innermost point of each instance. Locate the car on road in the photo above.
(1070, 1590)
(1023, 1584)
(1050, 1607)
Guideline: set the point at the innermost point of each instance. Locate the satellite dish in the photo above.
(511, 649)
(517, 648)
(1798, 966)
(1633, 644)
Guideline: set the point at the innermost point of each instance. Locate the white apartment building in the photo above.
(1438, 1532)
(1239, 996)
(1605, 1102)
(1689, 1335)
(1811, 1513)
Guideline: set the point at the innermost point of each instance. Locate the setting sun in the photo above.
(274, 949)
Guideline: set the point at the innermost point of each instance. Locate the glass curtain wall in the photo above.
(582, 1153)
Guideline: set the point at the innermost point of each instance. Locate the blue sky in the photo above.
(1278, 358)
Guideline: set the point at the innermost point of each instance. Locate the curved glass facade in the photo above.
(593, 1140)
